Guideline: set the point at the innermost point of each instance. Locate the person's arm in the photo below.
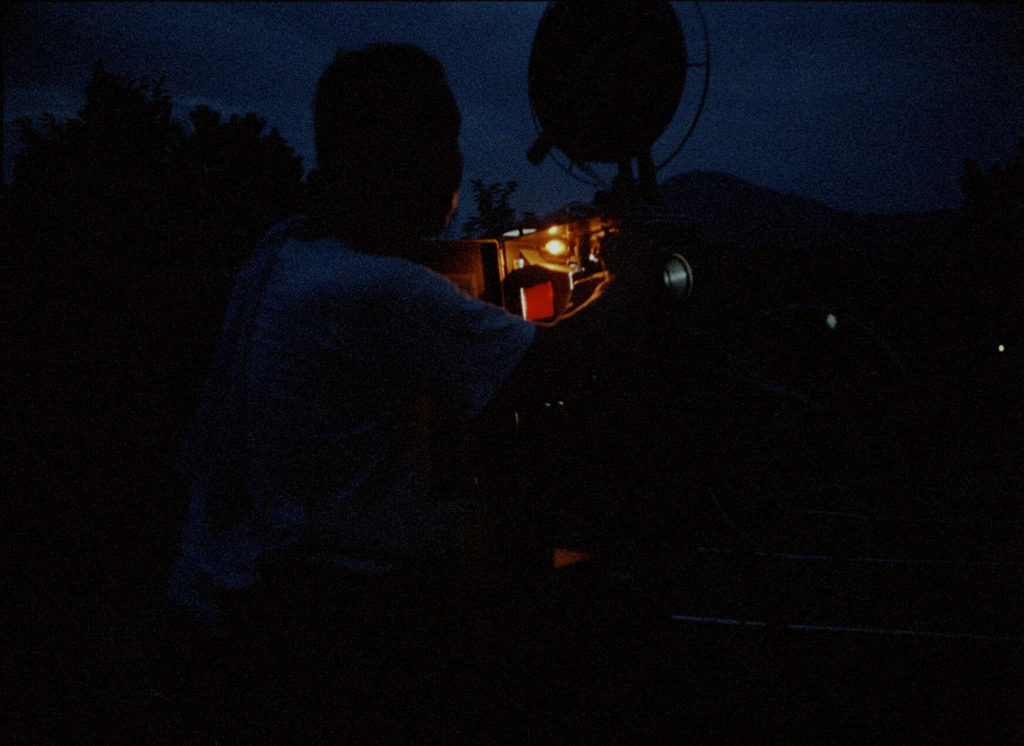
(577, 342)
(607, 316)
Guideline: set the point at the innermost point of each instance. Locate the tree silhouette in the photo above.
(989, 303)
(235, 181)
(124, 227)
(992, 212)
(124, 187)
(494, 214)
(89, 190)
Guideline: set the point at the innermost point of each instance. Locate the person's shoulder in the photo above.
(340, 263)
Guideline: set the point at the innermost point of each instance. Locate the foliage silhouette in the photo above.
(235, 180)
(124, 228)
(88, 190)
(494, 214)
(992, 239)
(124, 187)
(993, 208)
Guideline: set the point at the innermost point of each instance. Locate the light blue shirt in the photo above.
(349, 354)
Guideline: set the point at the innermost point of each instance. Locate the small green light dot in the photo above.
(1002, 348)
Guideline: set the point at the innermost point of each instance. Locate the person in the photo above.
(339, 349)
(313, 531)
(307, 463)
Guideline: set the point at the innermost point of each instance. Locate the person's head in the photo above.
(386, 131)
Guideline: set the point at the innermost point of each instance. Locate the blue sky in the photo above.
(868, 107)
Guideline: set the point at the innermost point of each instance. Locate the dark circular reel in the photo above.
(605, 79)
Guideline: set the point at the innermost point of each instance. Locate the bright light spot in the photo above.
(556, 247)
(832, 321)
(553, 230)
(517, 232)
(1002, 348)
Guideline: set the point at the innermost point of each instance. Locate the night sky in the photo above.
(867, 107)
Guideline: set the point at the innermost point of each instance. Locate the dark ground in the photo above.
(639, 645)
(603, 669)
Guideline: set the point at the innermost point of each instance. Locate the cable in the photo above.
(760, 551)
(864, 327)
(860, 630)
(905, 519)
(742, 534)
(868, 560)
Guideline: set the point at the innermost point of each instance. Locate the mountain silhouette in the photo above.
(738, 213)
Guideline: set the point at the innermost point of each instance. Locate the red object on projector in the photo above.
(538, 301)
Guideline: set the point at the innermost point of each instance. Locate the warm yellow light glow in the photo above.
(553, 230)
(517, 232)
(556, 247)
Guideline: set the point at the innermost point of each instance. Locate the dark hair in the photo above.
(386, 130)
